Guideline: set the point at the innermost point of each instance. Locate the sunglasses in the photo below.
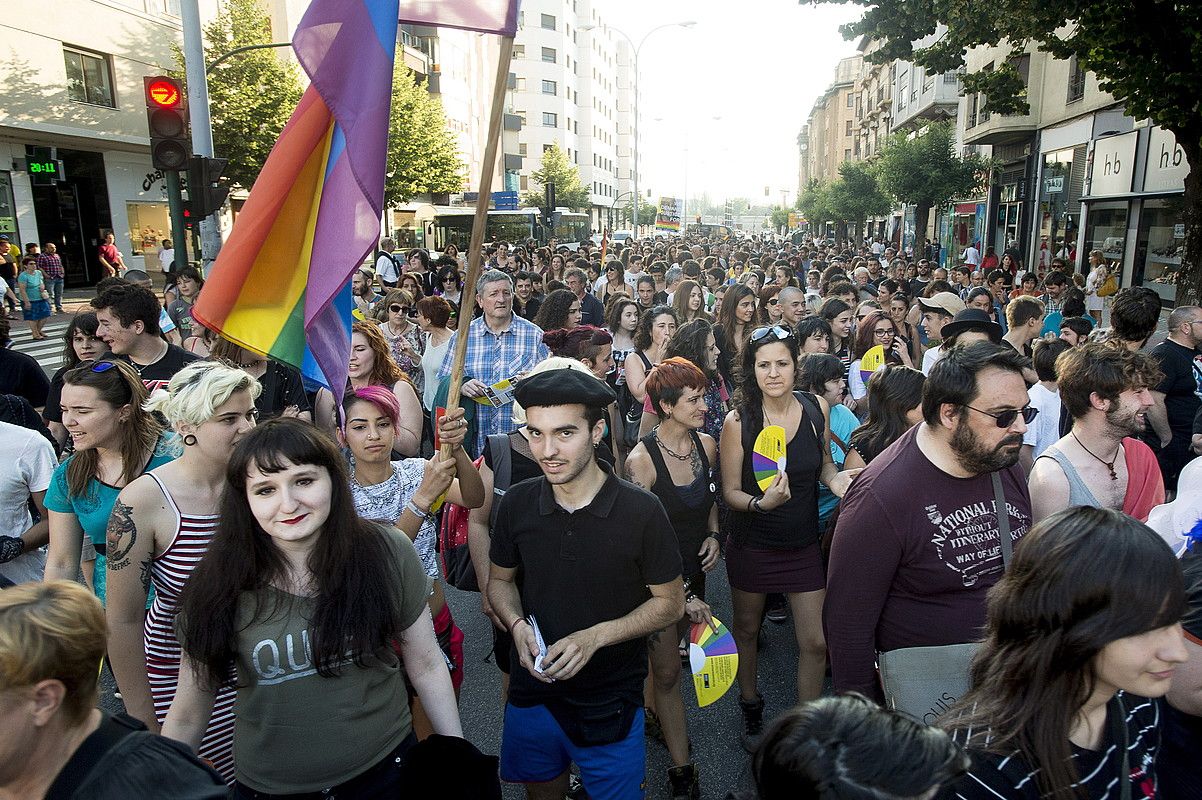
(396, 309)
(104, 366)
(1006, 418)
(776, 331)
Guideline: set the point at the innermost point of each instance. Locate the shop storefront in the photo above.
(1062, 175)
(1160, 239)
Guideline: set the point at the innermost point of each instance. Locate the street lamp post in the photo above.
(635, 48)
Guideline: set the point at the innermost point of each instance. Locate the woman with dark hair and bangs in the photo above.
(300, 603)
(80, 343)
(894, 406)
(1083, 633)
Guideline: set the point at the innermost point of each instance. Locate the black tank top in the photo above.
(688, 507)
(794, 524)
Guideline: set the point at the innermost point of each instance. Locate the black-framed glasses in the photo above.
(775, 301)
(884, 332)
(1006, 418)
(779, 332)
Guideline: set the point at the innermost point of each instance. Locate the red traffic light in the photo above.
(163, 92)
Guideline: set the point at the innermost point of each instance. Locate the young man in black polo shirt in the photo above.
(600, 571)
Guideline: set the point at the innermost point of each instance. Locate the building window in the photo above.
(89, 79)
(547, 147)
(549, 55)
(523, 182)
(1076, 81)
(519, 51)
(522, 149)
(951, 77)
(850, 99)
(847, 128)
(550, 120)
(548, 21)
(550, 87)
(847, 155)
(519, 84)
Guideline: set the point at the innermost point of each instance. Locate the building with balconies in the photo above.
(921, 97)
(830, 131)
(567, 92)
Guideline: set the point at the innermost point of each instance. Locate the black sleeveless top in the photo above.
(794, 524)
(688, 507)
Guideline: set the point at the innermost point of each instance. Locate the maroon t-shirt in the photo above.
(914, 552)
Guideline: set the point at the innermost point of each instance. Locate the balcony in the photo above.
(1001, 129)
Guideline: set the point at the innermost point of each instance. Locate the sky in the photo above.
(758, 70)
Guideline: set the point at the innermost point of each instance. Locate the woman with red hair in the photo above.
(684, 483)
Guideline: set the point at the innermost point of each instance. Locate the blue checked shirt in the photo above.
(493, 357)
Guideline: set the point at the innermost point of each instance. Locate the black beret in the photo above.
(562, 387)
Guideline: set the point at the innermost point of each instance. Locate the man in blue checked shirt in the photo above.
(500, 345)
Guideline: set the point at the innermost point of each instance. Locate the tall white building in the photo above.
(566, 90)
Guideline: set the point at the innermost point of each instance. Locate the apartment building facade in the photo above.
(567, 90)
(830, 134)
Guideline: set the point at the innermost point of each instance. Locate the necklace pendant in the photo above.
(1113, 475)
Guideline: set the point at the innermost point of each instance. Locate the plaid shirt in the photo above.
(493, 357)
(50, 265)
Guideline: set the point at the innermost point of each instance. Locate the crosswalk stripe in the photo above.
(48, 353)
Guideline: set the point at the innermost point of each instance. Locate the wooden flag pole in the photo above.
(467, 303)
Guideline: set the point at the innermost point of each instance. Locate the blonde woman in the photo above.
(161, 526)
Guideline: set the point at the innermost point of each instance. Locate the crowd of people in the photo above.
(958, 532)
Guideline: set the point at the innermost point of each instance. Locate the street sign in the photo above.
(505, 201)
(1053, 184)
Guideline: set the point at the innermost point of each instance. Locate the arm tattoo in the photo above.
(122, 534)
(631, 477)
(144, 575)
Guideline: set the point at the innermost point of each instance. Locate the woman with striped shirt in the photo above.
(160, 529)
(1083, 635)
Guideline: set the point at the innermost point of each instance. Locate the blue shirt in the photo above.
(493, 357)
(843, 422)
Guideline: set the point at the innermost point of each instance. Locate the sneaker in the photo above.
(778, 609)
(576, 788)
(753, 722)
(683, 783)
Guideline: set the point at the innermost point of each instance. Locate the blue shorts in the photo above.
(534, 749)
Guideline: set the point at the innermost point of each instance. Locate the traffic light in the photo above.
(204, 194)
(189, 220)
(167, 120)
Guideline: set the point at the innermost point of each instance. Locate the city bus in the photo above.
(443, 225)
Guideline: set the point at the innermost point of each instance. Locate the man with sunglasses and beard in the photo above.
(1100, 462)
(918, 542)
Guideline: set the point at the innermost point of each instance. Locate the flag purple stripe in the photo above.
(486, 16)
(341, 44)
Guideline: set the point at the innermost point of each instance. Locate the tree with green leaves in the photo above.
(647, 212)
(856, 195)
(251, 95)
(1144, 53)
(815, 204)
(778, 217)
(925, 171)
(556, 168)
(423, 156)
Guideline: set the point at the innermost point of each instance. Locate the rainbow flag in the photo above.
(280, 286)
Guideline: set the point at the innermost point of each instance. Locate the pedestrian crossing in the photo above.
(49, 352)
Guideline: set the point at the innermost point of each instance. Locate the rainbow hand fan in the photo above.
(768, 455)
(713, 659)
(873, 360)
